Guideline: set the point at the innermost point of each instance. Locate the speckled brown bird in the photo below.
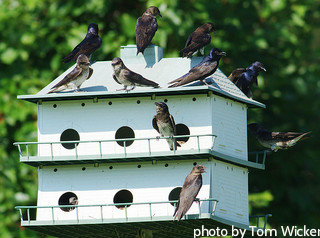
(146, 28)
(189, 191)
(275, 140)
(123, 75)
(164, 124)
(76, 77)
(197, 40)
(90, 43)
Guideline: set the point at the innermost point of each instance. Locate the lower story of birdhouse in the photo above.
(136, 192)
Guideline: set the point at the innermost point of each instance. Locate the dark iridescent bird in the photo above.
(146, 28)
(123, 75)
(244, 78)
(90, 43)
(76, 77)
(275, 140)
(164, 124)
(204, 69)
(198, 40)
(189, 191)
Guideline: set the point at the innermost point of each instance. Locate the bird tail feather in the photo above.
(57, 89)
(301, 137)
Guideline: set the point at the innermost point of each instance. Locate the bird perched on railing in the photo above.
(275, 140)
(204, 69)
(244, 78)
(123, 75)
(198, 40)
(146, 27)
(189, 191)
(87, 46)
(76, 77)
(164, 124)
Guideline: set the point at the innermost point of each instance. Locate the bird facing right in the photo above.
(198, 39)
(90, 43)
(275, 140)
(189, 191)
(146, 27)
(204, 69)
(244, 78)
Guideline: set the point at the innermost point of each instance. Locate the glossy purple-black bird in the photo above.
(76, 77)
(164, 124)
(198, 40)
(189, 191)
(146, 27)
(275, 140)
(90, 43)
(204, 69)
(244, 78)
(123, 75)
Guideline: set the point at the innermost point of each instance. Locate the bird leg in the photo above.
(197, 200)
(125, 88)
(157, 138)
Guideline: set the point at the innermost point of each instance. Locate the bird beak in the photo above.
(160, 15)
(223, 53)
(156, 103)
(263, 69)
(87, 64)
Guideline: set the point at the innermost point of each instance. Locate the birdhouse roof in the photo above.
(152, 66)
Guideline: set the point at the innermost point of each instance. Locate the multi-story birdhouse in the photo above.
(104, 170)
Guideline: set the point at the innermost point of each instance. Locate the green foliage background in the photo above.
(283, 34)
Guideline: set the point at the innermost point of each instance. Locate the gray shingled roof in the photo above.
(152, 66)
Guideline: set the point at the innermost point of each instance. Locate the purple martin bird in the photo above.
(123, 75)
(76, 77)
(204, 69)
(90, 43)
(146, 28)
(164, 124)
(189, 191)
(72, 201)
(244, 78)
(198, 40)
(275, 140)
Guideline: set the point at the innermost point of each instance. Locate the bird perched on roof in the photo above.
(204, 69)
(146, 27)
(189, 191)
(198, 40)
(123, 75)
(90, 43)
(76, 77)
(164, 124)
(275, 140)
(244, 78)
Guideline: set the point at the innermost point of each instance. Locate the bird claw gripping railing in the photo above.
(212, 205)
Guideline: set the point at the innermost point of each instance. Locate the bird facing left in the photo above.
(87, 46)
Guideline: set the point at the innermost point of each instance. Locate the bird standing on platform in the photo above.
(90, 43)
(206, 67)
(198, 40)
(123, 75)
(164, 124)
(275, 140)
(189, 191)
(244, 78)
(76, 77)
(146, 27)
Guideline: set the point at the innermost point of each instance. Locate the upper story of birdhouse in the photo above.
(95, 124)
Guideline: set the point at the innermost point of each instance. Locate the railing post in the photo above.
(77, 213)
(76, 150)
(19, 148)
(101, 211)
(257, 157)
(27, 146)
(125, 148)
(28, 213)
(258, 218)
(100, 149)
(214, 207)
(199, 208)
(52, 215)
(21, 216)
(51, 151)
(264, 156)
(174, 145)
(126, 212)
(150, 211)
(198, 141)
(149, 146)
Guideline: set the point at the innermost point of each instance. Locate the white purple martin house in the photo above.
(104, 170)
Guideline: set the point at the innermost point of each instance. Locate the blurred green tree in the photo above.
(35, 35)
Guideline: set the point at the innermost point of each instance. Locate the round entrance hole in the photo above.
(181, 130)
(69, 135)
(123, 196)
(123, 133)
(174, 195)
(68, 198)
